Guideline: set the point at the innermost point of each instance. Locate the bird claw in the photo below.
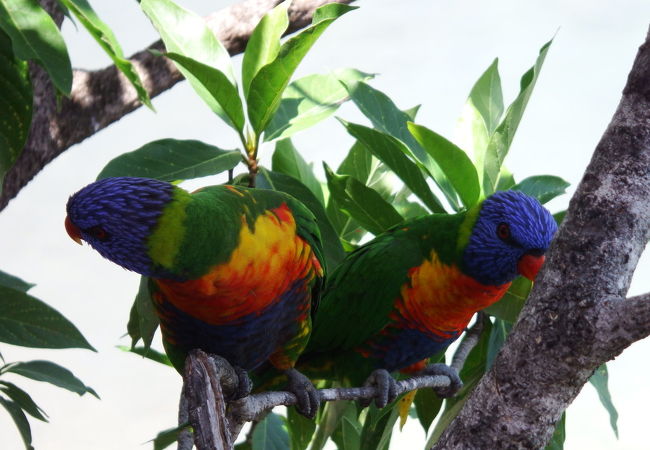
(384, 384)
(244, 384)
(455, 383)
(307, 396)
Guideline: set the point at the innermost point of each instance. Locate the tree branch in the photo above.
(101, 97)
(576, 317)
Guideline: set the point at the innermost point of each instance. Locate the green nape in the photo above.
(165, 241)
(465, 228)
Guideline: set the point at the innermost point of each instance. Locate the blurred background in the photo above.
(424, 52)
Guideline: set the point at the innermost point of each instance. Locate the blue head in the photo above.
(116, 217)
(510, 236)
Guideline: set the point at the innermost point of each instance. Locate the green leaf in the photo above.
(412, 112)
(599, 380)
(13, 282)
(15, 105)
(332, 248)
(288, 161)
(264, 44)
(330, 420)
(271, 434)
(453, 161)
(427, 403)
(351, 434)
(217, 85)
(501, 139)
(34, 35)
(23, 400)
(506, 180)
(148, 353)
(29, 322)
(20, 420)
(481, 113)
(167, 437)
(104, 36)
(362, 203)
(557, 440)
(543, 187)
(301, 429)
(268, 85)
(389, 119)
(498, 336)
(49, 372)
(143, 320)
(392, 152)
(510, 305)
(186, 33)
(559, 216)
(378, 427)
(171, 160)
(471, 374)
(307, 101)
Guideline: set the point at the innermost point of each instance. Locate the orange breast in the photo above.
(270, 257)
(439, 298)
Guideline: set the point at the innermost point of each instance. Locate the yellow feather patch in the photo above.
(165, 241)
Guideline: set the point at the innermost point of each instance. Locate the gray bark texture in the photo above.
(104, 96)
(577, 316)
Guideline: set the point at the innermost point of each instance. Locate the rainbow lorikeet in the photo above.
(233, 271)
(410, 292)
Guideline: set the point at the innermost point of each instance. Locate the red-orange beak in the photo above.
(73, 231)
(529, 265)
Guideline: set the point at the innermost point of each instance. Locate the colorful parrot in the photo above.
(233, 271)
(410, 292)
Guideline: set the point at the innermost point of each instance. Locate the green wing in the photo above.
(361, 292)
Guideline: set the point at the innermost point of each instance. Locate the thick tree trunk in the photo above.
(101, 97)
(577, 316)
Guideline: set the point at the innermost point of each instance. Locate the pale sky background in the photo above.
(427, 52)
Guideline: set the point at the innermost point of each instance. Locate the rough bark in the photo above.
(101, 97)
(577, 316)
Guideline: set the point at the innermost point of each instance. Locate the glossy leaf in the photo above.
(15, 105)
(29, 322)
(510, 305)
(332, 248)
(264, 44)
(35, 36)
(300, 428)
(148, 353)
(217, 85)
(500, 331)
(362, 203)
(427, 403)
(23, 400)
(329, 421)
(287, 160)
(506, 180)
(271, 434)
(186, 33)
(269, 83)
(13, 282)
(453, 161)
(143, 320)
(167, 437)
(543, 187)
(171, 160)
(307, 101)
(386, 117)
(482, 113)
(599, 380)
(377, 429)
(392, 153)
(104, 36)
(20, 420)
(351, 434)
(557, 440)
(501, 139)
(49, 372)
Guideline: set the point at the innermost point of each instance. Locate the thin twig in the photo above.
(470, 340)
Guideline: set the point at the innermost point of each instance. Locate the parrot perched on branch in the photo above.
(233, 271)
(410, 292)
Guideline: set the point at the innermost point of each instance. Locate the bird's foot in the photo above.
(244, 384)
(308, 397)
(385, 385)
(455, 383)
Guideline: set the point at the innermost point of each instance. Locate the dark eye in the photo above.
(503, 231)
(98, 233)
